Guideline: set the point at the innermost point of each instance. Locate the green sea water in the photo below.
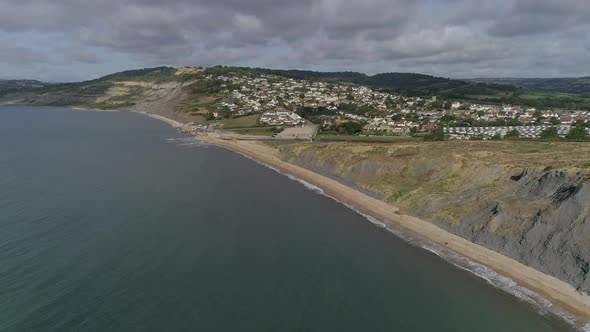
(114, 222)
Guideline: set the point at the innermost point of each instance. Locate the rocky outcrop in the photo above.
(537, 215)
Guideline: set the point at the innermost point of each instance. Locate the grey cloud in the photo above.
(11, 53)
(527, 17)
(431, 35)
(78, 54)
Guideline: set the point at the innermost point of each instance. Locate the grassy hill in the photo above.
(579, 85)
(15, 86)
(411, 84)
(539, 93)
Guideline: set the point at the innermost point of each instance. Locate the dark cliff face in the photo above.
(536, 215)
(541, 218)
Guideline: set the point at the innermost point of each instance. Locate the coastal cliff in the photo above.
(529, 201)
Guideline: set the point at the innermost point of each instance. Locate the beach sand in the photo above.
(559, 293)
(173, 123)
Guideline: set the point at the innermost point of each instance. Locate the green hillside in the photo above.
(412, 84)
(15, 86)
(539, 93)
(579, 85)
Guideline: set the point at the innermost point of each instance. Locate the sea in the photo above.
(113, 221)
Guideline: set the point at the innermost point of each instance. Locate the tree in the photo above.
(513, 134)
(437, 134)
(538, 115)
(448, 118)
(437, 104)
(554, 121)
(577, 133)
(389, 102)
(550, 134)
(496, 137)
(349, 128)
(397, 117)
(514, 122)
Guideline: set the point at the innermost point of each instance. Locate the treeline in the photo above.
(317, 115)
(579, 85)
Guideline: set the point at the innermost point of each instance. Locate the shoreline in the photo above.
(546, 292)
(534, 286)
(173, 123)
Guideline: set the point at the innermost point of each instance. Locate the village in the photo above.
(279, 102)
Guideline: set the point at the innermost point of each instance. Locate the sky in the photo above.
(73, 40)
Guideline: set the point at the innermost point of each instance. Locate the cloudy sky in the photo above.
(68, 40)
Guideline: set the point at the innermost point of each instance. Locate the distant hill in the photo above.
(539, 93)
(492, 91)
(580, 85)
(409, 83)
(15, 86)
(146, 74)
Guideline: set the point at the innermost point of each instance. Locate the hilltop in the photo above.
(572, 85)
(540, 93)
(14, 86)
(258, 101)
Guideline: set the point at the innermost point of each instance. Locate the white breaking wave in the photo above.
(188, 141)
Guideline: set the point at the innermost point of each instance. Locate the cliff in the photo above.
(527, 200)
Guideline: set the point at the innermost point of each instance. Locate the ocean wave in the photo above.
(187, 141)
(544, 306)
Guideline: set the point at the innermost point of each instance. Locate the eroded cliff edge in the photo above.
(527, 200)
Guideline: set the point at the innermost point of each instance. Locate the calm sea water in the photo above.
(111, 222)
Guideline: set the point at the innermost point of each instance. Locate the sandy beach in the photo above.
(565, 299)
(173, 123)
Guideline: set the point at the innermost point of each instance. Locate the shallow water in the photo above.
(113, 221)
